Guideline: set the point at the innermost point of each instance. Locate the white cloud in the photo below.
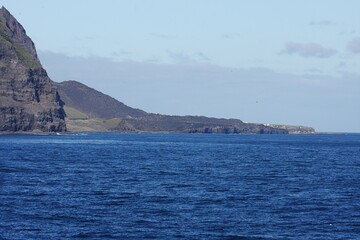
(308, 50)
(184, 58)
(163, 36)
(322, 23)
(354, 45)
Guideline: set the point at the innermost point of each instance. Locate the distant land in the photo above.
(31, 102)
(90, 110)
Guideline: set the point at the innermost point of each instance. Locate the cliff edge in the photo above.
(29, 101)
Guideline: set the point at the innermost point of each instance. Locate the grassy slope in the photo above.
(20, 50)
(77, 121)
(74, 114)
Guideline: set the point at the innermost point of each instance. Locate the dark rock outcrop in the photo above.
(29, 101)
(193, 124)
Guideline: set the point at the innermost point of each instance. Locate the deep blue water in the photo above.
(164, 186)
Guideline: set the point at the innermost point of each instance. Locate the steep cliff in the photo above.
(29, 101)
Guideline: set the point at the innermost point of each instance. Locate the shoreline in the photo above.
(24, 133)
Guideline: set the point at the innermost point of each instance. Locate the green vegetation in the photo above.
(112, 123)
(4, 32)
(25, 56)
(2, 19)
(92, 124)
(79, 121)
(21, 52)
(3, 40)
(74, 114)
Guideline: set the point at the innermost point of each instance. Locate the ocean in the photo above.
(179, 186)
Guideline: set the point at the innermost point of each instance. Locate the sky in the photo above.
(285, 62)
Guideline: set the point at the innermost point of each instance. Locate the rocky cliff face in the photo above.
(29, 101)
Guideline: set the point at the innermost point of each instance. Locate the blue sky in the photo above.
(294, 62)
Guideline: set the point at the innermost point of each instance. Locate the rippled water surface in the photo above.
(136, 186)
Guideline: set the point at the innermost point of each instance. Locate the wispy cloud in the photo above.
(153, 60)
(203, 57)
(121, 53)
(162, 36)
(322, 23)
(180, 57)
(185, 58)
(308, 50)
(342, 65)
(354, 45)
(230, 35)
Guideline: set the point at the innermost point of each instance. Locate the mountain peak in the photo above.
(13, 33)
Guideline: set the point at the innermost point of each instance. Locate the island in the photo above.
(30, 102)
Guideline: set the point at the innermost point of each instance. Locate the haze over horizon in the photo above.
(286, 63)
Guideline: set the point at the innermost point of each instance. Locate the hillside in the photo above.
(90, 110)
(94, 103)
